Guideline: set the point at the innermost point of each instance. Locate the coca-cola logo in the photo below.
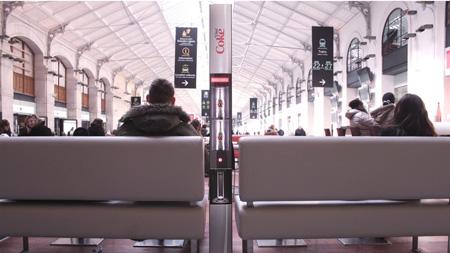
(220, 40)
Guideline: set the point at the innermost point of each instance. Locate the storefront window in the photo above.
(354, 55)
(23, 70)
(395, 28)
(84, 81)
(60, 81)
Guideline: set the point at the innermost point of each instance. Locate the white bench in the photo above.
(322, 187)
(111, 187)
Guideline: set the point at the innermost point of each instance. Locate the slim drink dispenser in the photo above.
(221, 153)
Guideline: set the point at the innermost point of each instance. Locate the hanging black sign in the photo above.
(135, 101)
(205, 104)
(185, 57)
(253, 108)
(322, 56)
(239, 118)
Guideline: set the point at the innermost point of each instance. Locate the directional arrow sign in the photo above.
(185, 83)
(322, 56)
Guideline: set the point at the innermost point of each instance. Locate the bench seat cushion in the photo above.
(331, 219)
(173, 220)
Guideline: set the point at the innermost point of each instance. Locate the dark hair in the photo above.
(388, 98)
(411, 116)
(196, 124)
(5, 127)
(357, 104)
(41, 130)
(97, 122)
(300, 132)
(81, 131)
(161, 92)
(96, 131)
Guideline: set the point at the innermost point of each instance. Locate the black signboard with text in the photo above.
(135, 101)
(322, 56)
(253, 108)
(239, 118)
(185, 57)
(206, 111)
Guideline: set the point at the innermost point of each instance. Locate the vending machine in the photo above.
(221, 148)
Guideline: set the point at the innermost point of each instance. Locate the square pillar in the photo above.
(6, 88)
(44, 92)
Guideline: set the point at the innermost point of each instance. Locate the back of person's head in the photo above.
(412, 117)
(41, 130)
(388, 98)
(96, 131)
(300, 132)
(4, 125)
(81, 131)
(281, 132)
(357, 104)
(97, 122)
(196, 125)
(161, 92)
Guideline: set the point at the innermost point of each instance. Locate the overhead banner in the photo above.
(135, 101)
(253, 108)
(205, 104)
(322, 56)
(185, 57)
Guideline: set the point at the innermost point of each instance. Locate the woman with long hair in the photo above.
(410, 118)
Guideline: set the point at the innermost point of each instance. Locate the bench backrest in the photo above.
(324, 168)
(102, 168)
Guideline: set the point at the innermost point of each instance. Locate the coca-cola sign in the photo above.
(220, 40)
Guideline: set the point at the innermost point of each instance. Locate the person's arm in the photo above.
(366, 120)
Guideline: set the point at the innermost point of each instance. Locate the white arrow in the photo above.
(185, 83)
(322, 82)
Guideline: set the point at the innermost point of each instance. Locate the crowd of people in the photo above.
(161, 117)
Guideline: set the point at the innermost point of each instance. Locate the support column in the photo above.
(109, 100)
(6, 86)
(73, 97)
(44, 91)
(94, 102)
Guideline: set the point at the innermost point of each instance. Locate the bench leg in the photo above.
(247, 246)
(415, 244)
(448, 244)
(194, 246)
(25, 245)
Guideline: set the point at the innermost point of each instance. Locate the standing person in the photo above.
(96, 128)
(410, 119)
(384, 115)
(5, 128)
(359, 117)
(160, 117)
(30, 122)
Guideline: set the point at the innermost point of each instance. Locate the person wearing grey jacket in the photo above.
(160, 118)
(359, 117)
(384, 115)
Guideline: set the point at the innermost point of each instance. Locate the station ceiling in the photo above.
(139, 37)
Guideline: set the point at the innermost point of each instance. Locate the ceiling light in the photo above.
(411, 12)
(363, 43)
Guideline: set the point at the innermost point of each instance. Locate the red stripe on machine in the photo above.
(220, 79)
